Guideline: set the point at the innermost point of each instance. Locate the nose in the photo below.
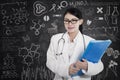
(69, 23)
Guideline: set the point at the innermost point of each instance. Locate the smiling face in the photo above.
(72, 23)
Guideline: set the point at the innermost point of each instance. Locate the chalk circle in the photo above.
(4, 22)
(3, 12)
(37, 32)
(46, 18)
(8, 32)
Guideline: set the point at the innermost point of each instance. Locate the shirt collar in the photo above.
(77, 38)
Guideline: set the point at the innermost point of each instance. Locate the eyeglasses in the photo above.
(73, 21)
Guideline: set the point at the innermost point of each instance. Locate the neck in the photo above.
(73, 35)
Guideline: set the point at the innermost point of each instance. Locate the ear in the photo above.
(81, 21)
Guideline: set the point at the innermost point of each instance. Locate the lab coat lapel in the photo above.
(75, 55)
(65, 49)
(79, 48)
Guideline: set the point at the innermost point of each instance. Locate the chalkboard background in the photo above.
(26, 27)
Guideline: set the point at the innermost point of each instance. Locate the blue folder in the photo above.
(94, 52)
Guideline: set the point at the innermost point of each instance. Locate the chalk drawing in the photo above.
(63, 4)
(39, 8)
(60, 6)
(114, 53)
(26, 38)
(29, 53)
(99, 18)
(9, 69)
(100, 10)
(57, 15)
(10, 43)
(114, 16)
(37, 26)
(54, 28)
(39, 72)
(8, 31)
(89, 11)
(111, 67)
(14, 15)
(46, 18)
(107, 14)
(108, 10)
(53, 8)
(78, 3)
(110, 32)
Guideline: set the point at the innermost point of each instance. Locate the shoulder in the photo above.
(88, 38)
(56, 36)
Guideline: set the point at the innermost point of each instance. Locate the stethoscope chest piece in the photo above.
(61, 43)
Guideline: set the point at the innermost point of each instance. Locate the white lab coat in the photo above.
(60, 64)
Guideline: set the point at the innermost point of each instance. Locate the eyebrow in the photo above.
(72, 19)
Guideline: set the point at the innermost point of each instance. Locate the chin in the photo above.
(71, 31)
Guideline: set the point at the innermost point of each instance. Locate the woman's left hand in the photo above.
(82, 64)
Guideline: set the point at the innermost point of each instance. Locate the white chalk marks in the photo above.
(39, 8)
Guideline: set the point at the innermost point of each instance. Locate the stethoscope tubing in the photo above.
(58, 54)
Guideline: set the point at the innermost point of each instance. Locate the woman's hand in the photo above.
(82, 64)
(73, 69)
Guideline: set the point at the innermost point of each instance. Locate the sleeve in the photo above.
(58, 67)
(94, 68)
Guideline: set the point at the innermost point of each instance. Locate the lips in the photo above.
(70, 27)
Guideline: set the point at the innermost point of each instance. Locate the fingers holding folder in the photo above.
(82, 64)
(75, 67)
(93, 53)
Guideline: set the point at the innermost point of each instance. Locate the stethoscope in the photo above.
(63, 42)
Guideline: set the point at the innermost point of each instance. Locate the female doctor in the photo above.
(65, 49)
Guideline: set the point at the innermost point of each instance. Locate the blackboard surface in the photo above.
(26, 27)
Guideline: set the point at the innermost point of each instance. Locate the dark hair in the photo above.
(76, 12)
